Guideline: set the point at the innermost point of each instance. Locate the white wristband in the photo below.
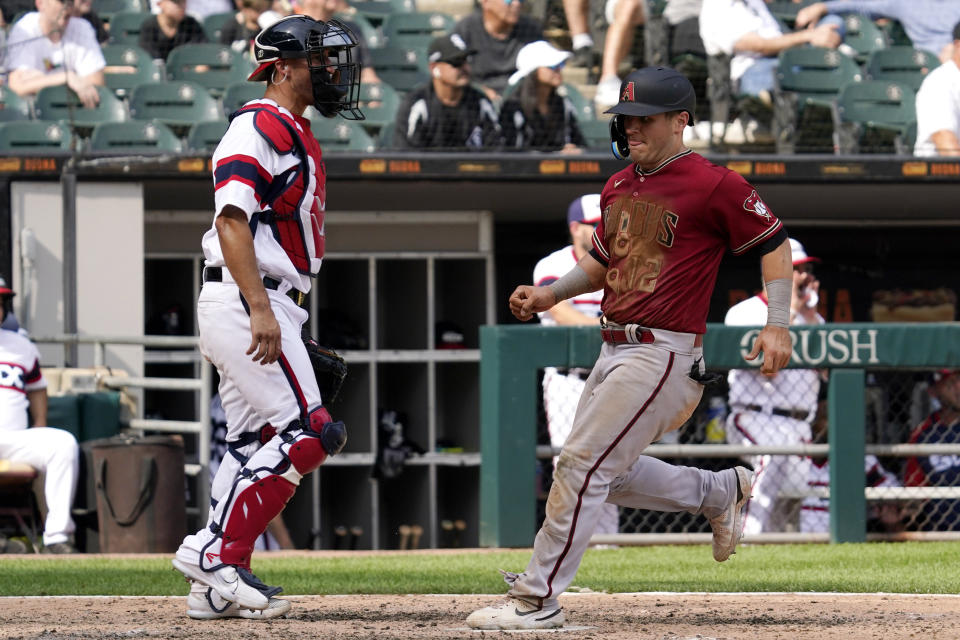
(778, 301)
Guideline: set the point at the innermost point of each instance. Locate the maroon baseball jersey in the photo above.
(663, 234)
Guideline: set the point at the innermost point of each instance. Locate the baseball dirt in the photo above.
(593, 616)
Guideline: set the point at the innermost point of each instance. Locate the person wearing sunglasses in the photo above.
(534, 115)
(447, 113)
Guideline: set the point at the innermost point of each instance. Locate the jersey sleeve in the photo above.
(33, 378)
(244, 164)
(543, 274)
(747, 220)
(935, 110)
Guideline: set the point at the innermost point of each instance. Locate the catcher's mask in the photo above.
(646, 92)
(328, 49)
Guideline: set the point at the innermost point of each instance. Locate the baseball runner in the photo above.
(775, 410)
(265, 244)
(51, 451)
(667, 220)
(563, 387)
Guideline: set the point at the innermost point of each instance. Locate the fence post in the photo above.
(848, 504)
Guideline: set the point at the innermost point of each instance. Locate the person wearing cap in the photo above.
(53, 452)
(447, 113)
(941, 426)
(535, 116)
(52, 46)
(666, 220)
(779, 410)
(938, 107)
(172, 27)
(496, 31)
(562, 387)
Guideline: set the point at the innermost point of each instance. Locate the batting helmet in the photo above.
(327, 47)
(646, 92)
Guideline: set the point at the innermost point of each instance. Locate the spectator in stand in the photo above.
(623, 16)
(84, 9)
(170, 28)
(324, 10)
(447, 112)
(746, 30)
(577, 13)
(239, 33)
(49, 47)
(496, 30)
(938, 107)
(926, 22)
(201, 9)
(535, 116)
(941, 426)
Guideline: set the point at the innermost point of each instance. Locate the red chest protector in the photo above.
(288, 189)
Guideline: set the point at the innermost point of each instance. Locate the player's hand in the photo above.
(265, 334)
(527, 300)
(775, 344)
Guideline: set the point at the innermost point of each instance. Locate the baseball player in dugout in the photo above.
(667, 220)
(776, 410)
(265, 245)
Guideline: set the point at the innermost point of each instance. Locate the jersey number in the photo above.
(639, 274)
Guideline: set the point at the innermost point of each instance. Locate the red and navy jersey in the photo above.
(663, 234)
(935, 471)
(258, 167)
(19, 373)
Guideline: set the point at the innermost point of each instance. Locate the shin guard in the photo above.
(254, 507)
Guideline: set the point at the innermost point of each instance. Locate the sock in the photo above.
(581, 40)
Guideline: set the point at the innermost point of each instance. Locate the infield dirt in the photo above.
(593, 615)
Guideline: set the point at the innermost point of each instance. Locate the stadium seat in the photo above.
(337, 134)
(369, 33)
(871, 115)
(902, 64)
(785, 11)
(415, 30)
(597, 134)
(239, 93)
(213, 24)
(378, 102)
(205, 136)
(134, 136)
(863, 35)
(376, 11)
(106, 9)
(62, 104)
(177, 104)
(896, 34)
(12, 106)
(385, 136)
(584, 107)
(127, 66)
(33, 135)
(214, 66)
(403, 69)
(125, 26)
(807, 82)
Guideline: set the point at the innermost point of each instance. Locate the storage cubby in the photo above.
(458, 498)
(458, 408)
(405, 501)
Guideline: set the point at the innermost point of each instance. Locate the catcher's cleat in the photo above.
(728, 526)
(230, 582)
(203, 603)
(516, 613)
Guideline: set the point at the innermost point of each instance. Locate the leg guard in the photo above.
(321, 437)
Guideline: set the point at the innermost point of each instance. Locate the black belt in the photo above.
(215, 274)
(796, 414)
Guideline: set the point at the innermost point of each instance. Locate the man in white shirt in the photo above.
(49, 47)
(775, 410)
(938, 107)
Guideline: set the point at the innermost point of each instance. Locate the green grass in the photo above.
(908, 567)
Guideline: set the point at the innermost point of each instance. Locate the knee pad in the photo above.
(320, 437)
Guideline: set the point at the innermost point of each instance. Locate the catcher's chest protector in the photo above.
(296, 206)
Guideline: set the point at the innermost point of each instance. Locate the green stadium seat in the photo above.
(871, 115)
(376, 11)
(33, 135)
(403, 69)
(61, 103)
(205, 136)
(378, 102)
(415, 30)
(12, 106)
(369, 33)
(808, 80)
(785, 11)
(597, 134)
(239, 93)
(106, 9)
(125, 26)
(385, 136)
(127, 66)
(214, 66)
(213, 24)
(902, 64)
(134, 136)
(863, 35)
(177, 104)
(337, 134)
(584, 107)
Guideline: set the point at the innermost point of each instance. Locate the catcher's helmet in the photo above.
(646, 92)
(327, 47)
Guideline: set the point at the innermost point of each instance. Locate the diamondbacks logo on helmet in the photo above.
(755, 204)
(627, 94)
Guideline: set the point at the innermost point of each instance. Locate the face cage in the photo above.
(333, 73)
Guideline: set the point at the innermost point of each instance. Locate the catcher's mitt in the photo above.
(328, 367)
